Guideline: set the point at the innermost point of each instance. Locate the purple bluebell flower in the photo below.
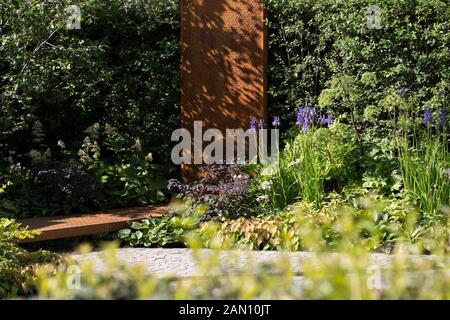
(305, 117)
(323, 120)
(300, 115)
(428, 117)
(311, 113)
(443, 119)
(304, 127)
(276, 121)
(253, 124)
(330, 120)
(262, 123)
(401, 92)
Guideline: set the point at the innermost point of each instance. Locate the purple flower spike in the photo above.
(304, 127)
(428, 117)
(305, 117)
(300, 115)
(253, 124)
(443, 121)
(401, 92)
(330, 120)
(326, 120)
(276, 121)
(262, 123)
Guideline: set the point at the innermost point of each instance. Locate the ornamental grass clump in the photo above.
(309, 169)
(320, 157)
(424, 162)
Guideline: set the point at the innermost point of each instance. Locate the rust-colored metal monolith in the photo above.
(224, 59)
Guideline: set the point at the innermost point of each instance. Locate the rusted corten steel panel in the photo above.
(224, 61)
(51, 228)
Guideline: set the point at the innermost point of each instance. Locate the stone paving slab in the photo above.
(181, 262)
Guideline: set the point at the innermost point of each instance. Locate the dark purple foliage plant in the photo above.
(224, 191)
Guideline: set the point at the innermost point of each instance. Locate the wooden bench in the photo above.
(59, 227)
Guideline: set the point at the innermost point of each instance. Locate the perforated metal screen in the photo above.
(223, 64)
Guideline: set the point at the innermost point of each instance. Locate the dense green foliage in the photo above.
(85, 122)
(114, 81)
(349, 273)
(323, 52)
(119, 68)
(321, 175)
(120, 74)
(154, 232)
(18, 267)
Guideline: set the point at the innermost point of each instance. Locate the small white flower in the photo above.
(266, 185)
(447, 172)
(149, 157)
(262, 198)
(294, 163)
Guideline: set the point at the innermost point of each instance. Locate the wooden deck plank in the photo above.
(88, 224)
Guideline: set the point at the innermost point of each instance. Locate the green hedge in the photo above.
(120, 68)
(326, 44)
(86, 114)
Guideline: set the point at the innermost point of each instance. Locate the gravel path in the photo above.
(181, 262)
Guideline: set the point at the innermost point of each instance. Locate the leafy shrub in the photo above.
(18, 267)
(50, 190)
(110, 172)
(382, 221)
(155, 232)
(124, 169)
(259, 233)
(121, 68)
(223, 191)
(380, 166)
